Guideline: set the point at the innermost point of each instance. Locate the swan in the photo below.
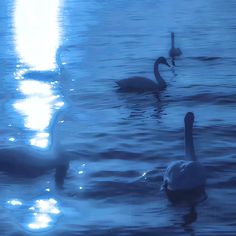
(31, 162)
(185, 179)
(49, 75)
(142, 84)
(174, 52)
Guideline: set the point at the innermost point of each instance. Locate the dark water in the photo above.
(120, 143)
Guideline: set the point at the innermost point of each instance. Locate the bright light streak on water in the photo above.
(37, 32)
(37, 109)
(44, 212)
(32, 87)
(40, 140)
(38, 105)
(37, 42)
(41, 221)
(33, 108)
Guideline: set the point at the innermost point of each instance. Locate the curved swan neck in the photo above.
(55, 143)
(157, 73)
(189, 145)
(172, 40)
(160, 82)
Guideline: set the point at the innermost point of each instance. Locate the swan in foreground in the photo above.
(174, 52)
(32, 162)
(142, 84)
(186, 179)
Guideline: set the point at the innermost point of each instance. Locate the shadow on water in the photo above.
(205, 58)
(97, 230)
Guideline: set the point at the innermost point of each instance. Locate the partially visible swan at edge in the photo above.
(174, 52)
(32, 162)
(142, 84)
(185, 179)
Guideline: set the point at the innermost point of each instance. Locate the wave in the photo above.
(213, 98)
(206, 58)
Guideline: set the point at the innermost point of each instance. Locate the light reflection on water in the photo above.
(44, 211)
(37, 108)
(37, 42)
(14, 202)
(41, 215)
(37, 32)
(119, 136)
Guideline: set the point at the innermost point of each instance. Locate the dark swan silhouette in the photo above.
(185, 180)
(142, 84)
(29, 162)
(174, 52)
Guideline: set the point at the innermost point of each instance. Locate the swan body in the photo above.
(142, 84)
(26, 161)
(138, 84)
(174, 52)
(185, 177)
(32, 162)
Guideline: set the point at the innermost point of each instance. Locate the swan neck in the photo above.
(157, 73)
(172, 40)
(59, 63)
(189, 145)
(55, 142)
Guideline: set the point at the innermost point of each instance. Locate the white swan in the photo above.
(142, 84)
(185, 176)
(174, 52)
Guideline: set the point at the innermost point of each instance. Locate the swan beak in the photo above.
(168, 64)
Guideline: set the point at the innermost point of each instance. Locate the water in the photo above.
(120, 143)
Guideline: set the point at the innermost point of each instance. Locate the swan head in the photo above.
(189, 118)
(162, 60)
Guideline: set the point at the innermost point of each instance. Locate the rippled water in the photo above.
(119, 143)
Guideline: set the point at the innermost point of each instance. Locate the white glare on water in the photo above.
(44, 212)
(37, 32)
(37, 41)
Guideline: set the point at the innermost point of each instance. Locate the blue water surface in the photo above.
(59, 61)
